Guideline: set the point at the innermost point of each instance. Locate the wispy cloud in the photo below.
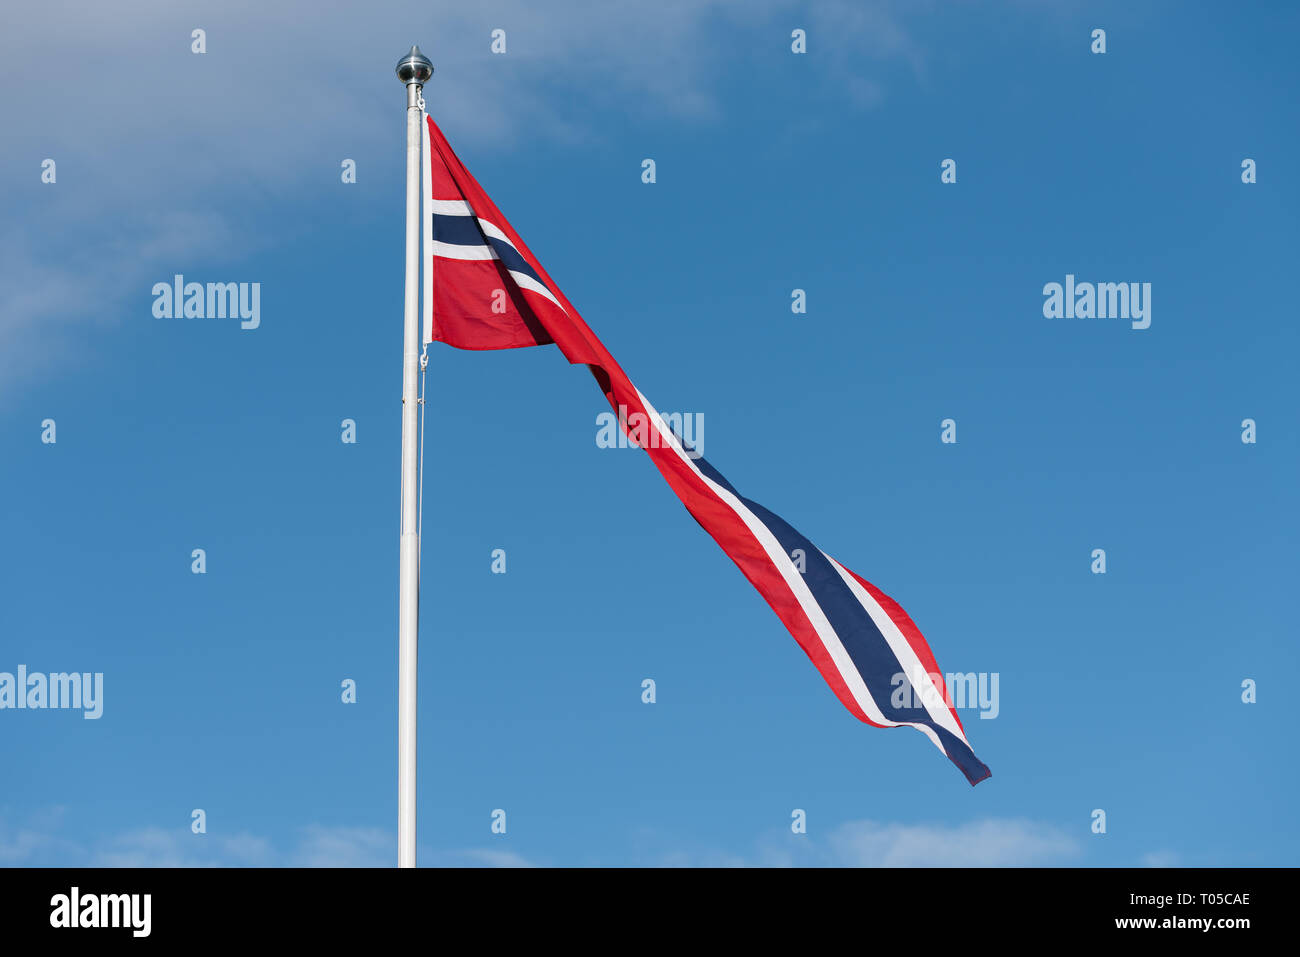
(478, 857)
(988, 842)
(344, 847)
(36, 837)
(1161, 859)
(38, 842)
(172, 156)
(159, 847)
(991, 842)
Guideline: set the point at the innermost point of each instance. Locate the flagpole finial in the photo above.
(415, 67)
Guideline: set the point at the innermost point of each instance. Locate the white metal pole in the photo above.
(413, 69)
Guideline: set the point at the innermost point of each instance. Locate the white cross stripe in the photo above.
(785, 565)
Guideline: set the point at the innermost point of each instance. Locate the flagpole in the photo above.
(413, 69)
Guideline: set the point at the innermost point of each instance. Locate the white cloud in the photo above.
(989, 842)
(39, 843)
(38, 836)
(160, 847)
(345, 847)
(165, 156)
(1160, 859)
(481, 857)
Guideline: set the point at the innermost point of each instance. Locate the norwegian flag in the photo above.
(486, 290)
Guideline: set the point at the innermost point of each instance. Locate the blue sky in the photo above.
(775, 171)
